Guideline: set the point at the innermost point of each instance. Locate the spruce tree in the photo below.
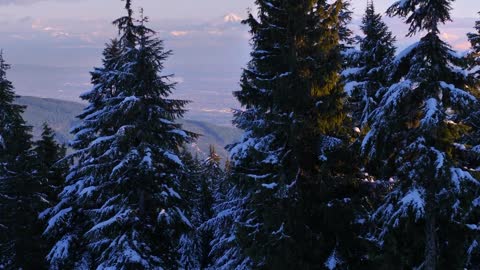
(474, 55)
(211, 177)
(427, 219)
(21, 197)
(204, 177)
(368, 76)
(290, 169)
(121, 207)
(228, 210)
(473, 138)
(189, 245)
(51, 166)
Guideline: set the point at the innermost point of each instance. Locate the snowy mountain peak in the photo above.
(232, 17)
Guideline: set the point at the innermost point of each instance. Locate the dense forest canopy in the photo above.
(353, 154)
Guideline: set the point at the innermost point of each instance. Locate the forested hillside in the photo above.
(61, 116)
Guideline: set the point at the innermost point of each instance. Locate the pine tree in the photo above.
(428, 217)
(189, 245)
(51, 166)
(289, 169)
(473, 138)
(211, 177)
(51, 169)
(204, 177)
(368, 76)
(474, 56)
(228, 210)
(121, 207)
(21, 198)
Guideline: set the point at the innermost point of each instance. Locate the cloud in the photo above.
(216, 110)
(179, 33)
(53, 31)
(26, 2)
(25, 19)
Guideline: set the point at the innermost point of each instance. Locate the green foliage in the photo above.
(291, 166)
(21, 197)
(122, 206)
(418, 131)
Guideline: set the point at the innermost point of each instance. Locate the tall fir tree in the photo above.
(52, 168)
(21, 197)
(473, 138)
(289, 168)
(428, 217)
(474, 56)
(211, 178)
(228, 210)
(189, 245)
(196, 245)
(121, 207)
(368, 75)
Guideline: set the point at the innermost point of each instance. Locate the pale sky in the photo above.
(55, 43)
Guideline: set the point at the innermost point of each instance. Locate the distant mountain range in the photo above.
(61, 116)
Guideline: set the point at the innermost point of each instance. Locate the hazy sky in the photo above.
(52, 44)
(168, 9)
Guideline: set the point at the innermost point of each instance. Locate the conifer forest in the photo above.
(355, 154)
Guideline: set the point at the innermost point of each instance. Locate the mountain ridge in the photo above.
(61, 116)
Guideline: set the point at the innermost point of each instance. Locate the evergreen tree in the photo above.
(51, 166)
(211, 177)
(21, 197)
(289, 170)
(474, 56)
(121, 207)
(51, 169)
(368, 76)
(189, 246)
(428, 217)
(196, 246)
(473, 138)
(228, 210)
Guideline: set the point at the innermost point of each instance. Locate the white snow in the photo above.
(431, 113)
(179, 132)
(458, 175)
(60, 249)
(270, 186)
(414, 199)
(457, 95)
(350, 86)
(173, 157)
(57, 218)
(333, 261)
(406, 51)
(116, 218)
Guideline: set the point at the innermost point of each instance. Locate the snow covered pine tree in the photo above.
(121, 208)
(203, 180)
(290, 168)
(427, 219)
(52, 168)
(228, 209)
(473, 138)
(474, 56)
(368, 74)
(21, 197)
